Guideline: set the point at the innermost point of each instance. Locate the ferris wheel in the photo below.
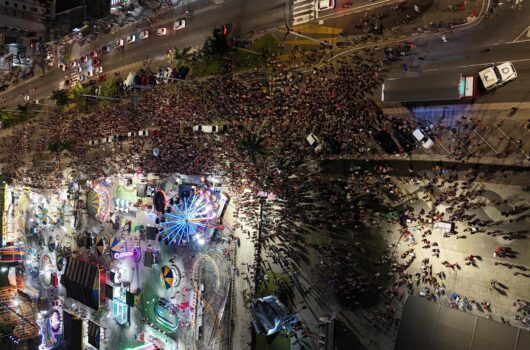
(189, 219)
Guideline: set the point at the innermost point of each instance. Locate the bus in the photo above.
(432, 87)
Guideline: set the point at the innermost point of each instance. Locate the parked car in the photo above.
(131, 39)
(98, 70)
(143, 133)
(179, 24)
(314, 141)
(95, 61)
(386, 142)
(105, 49)
(222, 30)
(118, 43)
(161, 31)
(93, 53)
(423, 138)
(144, 34)
(405, 140)
(497, 75)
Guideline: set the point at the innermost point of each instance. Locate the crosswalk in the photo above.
(74, 77)
(303, 11)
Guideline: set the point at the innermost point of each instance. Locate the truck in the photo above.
(445, 86)
(497, 74)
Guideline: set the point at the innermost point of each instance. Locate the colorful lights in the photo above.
(188, 219)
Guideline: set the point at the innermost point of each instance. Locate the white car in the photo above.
(119, 43)
(144, 34)
(322, 5)
(161, 31)
(180, 24)
(131, 39)
(90, 73)
(98, 70)
(143, 133)
(314, 142)
(497, 75)
(422, 137)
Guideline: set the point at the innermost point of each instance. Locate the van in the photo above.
(497, 75)
(314, 142)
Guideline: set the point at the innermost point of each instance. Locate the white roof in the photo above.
(130, 79)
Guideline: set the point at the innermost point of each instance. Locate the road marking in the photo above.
(314, 29)
(511, 140)
(477, 64)
(347, 12)
(487, 143)
(302, 11)
(527, 31)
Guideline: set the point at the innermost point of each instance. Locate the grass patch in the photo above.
(273, 342)
(264, 46)
(205, 68)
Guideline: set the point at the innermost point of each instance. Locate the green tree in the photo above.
(252, 145)
(60, 97)
(215, 46)
(110, 88)
(180, 56)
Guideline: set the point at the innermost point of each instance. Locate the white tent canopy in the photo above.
(130, 79)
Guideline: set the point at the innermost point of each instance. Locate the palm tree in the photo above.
(60, 97)
(180, 56)
(252, 145)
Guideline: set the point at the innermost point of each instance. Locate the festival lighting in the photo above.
(187, 219)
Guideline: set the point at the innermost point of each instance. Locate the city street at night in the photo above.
(244, 174)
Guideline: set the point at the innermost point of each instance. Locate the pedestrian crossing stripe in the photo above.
(302, 11)
(314, 29)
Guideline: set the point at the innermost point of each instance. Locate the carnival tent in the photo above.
(92, 203)
(81, 281)
(101, 245)
(166, 274)
(116, 246)
(130, 79)
(160, 201)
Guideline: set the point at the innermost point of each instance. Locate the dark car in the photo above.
(405, 140)
(223, 30)
(105, 49)
(386, 142)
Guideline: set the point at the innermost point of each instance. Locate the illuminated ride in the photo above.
(166, 314)
(98, 201)
(189, 219)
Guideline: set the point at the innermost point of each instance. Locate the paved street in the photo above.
(244, 15)
(320, 215)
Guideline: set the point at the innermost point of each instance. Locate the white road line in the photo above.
(478, 64)
(347, 12)
(520, 35)
(516, 42)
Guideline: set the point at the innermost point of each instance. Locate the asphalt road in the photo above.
(245, 16)
(470, 50)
